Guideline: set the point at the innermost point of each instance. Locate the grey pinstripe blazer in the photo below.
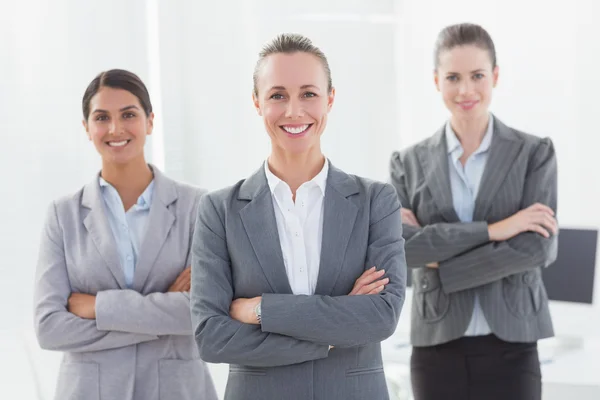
(521, 170)
(140, 346)
(236, 253)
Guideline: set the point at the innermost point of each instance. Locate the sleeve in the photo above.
(347, 321)
(434, 242)
(493, 261)
(152, 314)
(220, 338)
(55, 327)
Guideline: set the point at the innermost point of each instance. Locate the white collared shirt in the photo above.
(465, 181)
(300, 227)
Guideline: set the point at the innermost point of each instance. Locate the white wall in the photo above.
(199, 71)
(50, 52)
(197, 59)
(548, 83)
(209, 50)
(548, 86)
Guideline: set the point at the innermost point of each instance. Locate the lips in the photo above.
(121, 143)
(467, 105)
(296, 129)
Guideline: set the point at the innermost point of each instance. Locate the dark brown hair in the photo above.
(117, 79)
(462, 35)
(290, 43)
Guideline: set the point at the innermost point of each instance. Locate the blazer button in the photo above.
(528, 279)
(424, 283)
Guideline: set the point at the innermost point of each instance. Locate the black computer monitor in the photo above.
(571, 276)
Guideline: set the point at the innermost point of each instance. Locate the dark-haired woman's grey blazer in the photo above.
(140, 346)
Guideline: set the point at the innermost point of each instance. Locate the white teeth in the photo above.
(117, 144)
(295, 130)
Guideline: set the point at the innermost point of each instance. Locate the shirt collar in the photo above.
(143, 202)
(454, 146)
(320, 179)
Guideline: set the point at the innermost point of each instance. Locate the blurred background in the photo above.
(197, 59)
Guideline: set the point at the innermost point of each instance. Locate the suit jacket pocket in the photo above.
(182, 380)
(430, 302)
(524, 293)
(245, 370)
(366, 383)
(78, 381)
(364, 371)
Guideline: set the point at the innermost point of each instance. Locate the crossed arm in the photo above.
(523, 241)
(294, 328)
(77, 322)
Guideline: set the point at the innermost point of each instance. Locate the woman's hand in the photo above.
(82, 305)
(409, 218)
(369, 282)
(183, 281)
(243, 310)
(536, 218)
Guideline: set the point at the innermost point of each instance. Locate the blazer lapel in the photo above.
(339, 216)
(98, 227)
(503, 151)
(160, 221)
(258, 218)
(434, 161)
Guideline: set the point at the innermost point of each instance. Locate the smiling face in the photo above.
(293, 99)
(118, 125)
(465, 78)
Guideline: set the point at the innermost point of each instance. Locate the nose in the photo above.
(294, 109)
(466, 87)
(114, 127)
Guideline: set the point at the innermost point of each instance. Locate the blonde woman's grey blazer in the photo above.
(237, 253)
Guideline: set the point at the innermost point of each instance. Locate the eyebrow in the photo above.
(131, 107)
(474, 71)
(301, 87)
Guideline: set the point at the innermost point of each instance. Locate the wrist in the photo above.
(492, 232)
(258, 312)
(93, 307)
